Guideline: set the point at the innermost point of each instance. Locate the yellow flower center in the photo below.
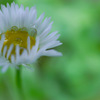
(18, 37)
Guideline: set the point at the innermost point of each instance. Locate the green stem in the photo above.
(19, 82)
(18, 78)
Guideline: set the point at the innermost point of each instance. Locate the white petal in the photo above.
(1, 42)
(9, 51)
(28, 44)
(39, 20)
(4, 50)
(51, 53)
(17, 52)
(49, 39)
(12, 58)
(46, 31)
(35, 48)
(51, 44)
(43, 25)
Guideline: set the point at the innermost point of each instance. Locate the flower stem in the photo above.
(18, 78)
(19, 82)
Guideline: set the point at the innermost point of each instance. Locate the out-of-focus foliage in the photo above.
(4, 2)
(75, 75)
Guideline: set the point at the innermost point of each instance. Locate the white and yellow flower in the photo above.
(23, 37)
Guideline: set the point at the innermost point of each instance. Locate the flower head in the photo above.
(23, 37)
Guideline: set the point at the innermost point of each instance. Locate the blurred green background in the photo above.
(75, 75)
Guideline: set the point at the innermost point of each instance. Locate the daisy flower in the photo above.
(23, 37)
